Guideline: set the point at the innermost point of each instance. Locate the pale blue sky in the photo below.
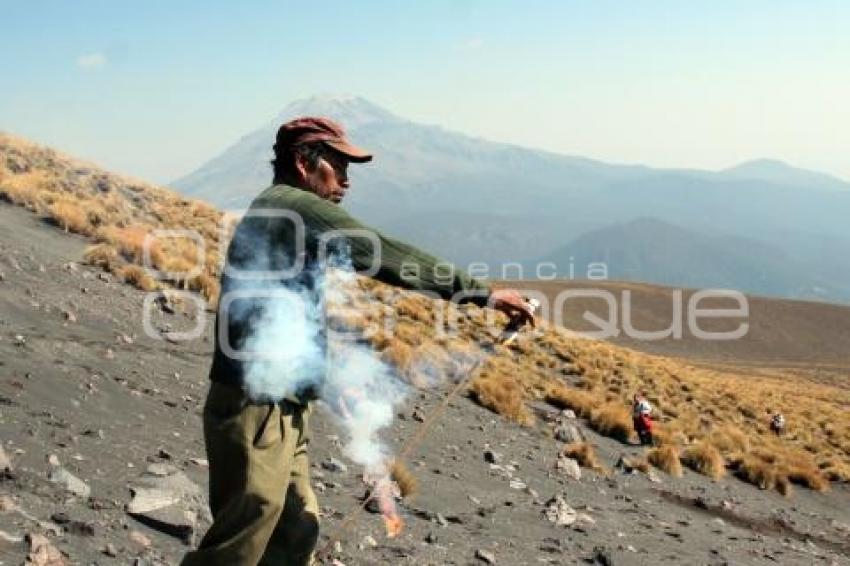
(154, 88)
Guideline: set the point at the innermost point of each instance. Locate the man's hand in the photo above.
(513, 304)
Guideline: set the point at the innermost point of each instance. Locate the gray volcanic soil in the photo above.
(96, 397)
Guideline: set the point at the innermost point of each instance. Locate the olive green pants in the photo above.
(264, 510)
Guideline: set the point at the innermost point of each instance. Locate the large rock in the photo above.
(568, 467)
(43, 553)
(168, 501)
(559, 512)
(568, 433)
(333, 465)
(69, 482)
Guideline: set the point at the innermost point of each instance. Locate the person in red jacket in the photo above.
(642, 418)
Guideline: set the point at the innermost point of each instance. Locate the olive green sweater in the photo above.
(286, 223)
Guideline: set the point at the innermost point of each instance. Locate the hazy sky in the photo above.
(155, 88)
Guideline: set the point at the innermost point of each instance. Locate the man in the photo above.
(777, 424)
(264, 510)
(642, 418)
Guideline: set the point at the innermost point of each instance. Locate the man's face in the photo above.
(329, 180)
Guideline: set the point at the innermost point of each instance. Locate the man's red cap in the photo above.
(313, 129)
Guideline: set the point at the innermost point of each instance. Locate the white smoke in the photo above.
(291, 349)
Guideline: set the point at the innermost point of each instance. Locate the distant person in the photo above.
(777, 424)
(264, 509)
(642, 418)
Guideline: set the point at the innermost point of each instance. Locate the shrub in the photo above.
(801, 470)
(585, 455)
(138, 276)
(430, 366)
(666, 459)
(398, 354)
(730, 440)
(809, 477)
(130, 243)
(667, 435)
(405, 480)
(502, 394)
(614, 420)
(757, 472)
(70, 217)
(207, 285)
(104, 256)
(640, 464)
(563, 397)
(705, 459)
(416, 307)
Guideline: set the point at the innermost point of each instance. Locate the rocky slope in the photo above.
(95, 414)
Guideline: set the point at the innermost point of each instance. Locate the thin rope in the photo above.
(411, 443)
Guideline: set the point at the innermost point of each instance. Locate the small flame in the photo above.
(384, 492)
(394, 524)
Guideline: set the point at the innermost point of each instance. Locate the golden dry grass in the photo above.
(103, 256)
(407, 483)
(614, 420)
(71, 217)
(705, 459)
(666, 459)
(729, 440)
(137, 276)
(502, 394)
(563, 397)
(639, 463)
(585, 454)
(726, 408)
(760, 473)
(119, 213)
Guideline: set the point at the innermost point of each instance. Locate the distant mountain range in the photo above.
(764, 227)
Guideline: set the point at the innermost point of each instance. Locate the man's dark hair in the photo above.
(283, 163)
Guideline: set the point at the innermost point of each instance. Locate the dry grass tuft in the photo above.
(70, 217)
(705, 459)
(640, 464)
(399, 355)
(405, 479)
(131, 242)
(138, 277)
(104, 256)
(501, 393)
(585, 454)
(730, 440)
(756, 471)
(614, 420)
(563, 397)
(207, 285)
(807, 475)
(666, 459)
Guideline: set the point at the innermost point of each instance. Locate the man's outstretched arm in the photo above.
(404, 265)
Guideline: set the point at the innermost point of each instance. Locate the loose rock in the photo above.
(140, 539)
(70, 482)
(566, 432)
(42, 552)
(559, 512)
(569, 467)
(334, 465)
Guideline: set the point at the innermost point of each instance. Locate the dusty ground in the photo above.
(95, 396)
